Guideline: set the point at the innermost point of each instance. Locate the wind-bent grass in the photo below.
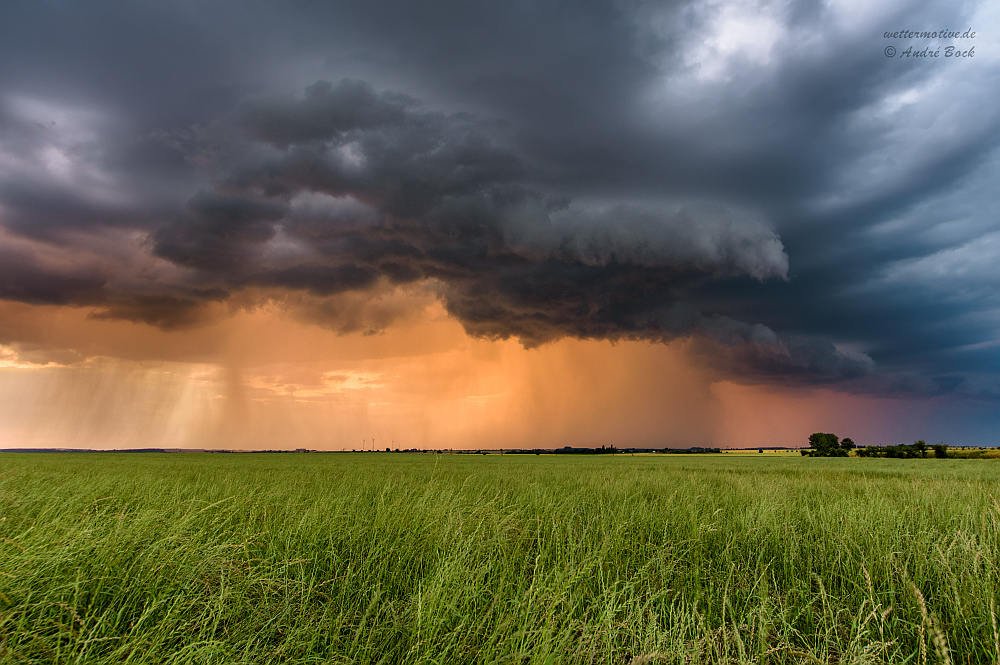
(117, 558)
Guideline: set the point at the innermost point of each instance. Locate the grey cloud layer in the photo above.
(597, 169)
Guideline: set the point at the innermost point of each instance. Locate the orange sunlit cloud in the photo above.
(263, 378)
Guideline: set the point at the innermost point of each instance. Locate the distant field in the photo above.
(379, 558)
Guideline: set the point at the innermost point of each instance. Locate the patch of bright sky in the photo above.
(11, 359)
(860, 15)
(332, 208)
(107, 403)
(940, 101)
(951, 219)
(72, 125)
(937, 108)
(352, 155)
(330, 384)
(283, 248)
(854, 351)
(973, 264)
(736, 34)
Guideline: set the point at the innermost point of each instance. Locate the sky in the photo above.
(442, 224)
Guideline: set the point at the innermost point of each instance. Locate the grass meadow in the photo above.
(410, 558)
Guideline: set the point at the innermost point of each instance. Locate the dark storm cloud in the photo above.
(347, 139)
(758, 176)
(215, 233)
(42, 210)
(23, 280)
(325, 112)
(436, 198)
(36, 278)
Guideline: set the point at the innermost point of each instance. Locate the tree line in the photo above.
(823, 444)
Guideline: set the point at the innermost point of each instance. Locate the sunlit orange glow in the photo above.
(265, 377)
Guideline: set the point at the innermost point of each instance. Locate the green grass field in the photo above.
(379, 558)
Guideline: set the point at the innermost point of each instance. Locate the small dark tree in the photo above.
(940, 450)
(847, 444)
(921, 447)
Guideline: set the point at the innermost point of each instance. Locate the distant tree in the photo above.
(940, 450)
(921, 447)
(848, 444)
(760, 450)
(826, 445)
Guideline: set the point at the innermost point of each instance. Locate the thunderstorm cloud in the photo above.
(758, 178)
